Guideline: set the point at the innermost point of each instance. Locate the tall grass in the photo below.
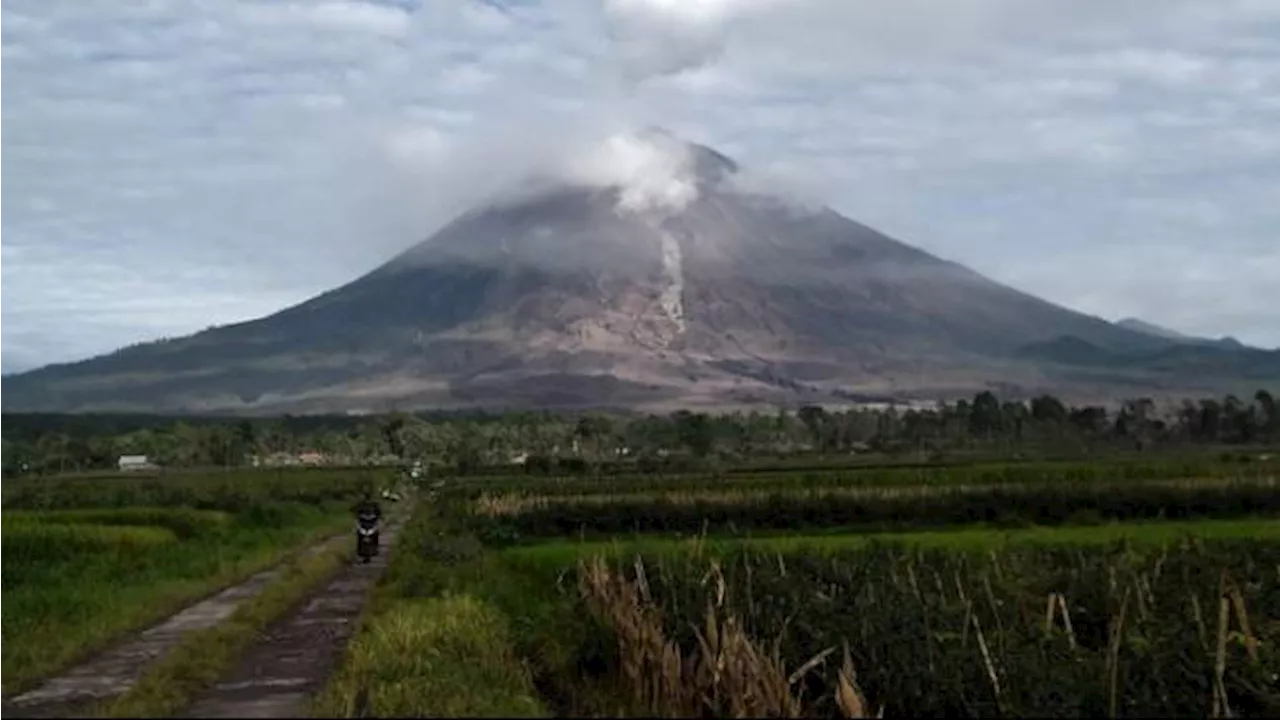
(727, 673)
(1184, 630)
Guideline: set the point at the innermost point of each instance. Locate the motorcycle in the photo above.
(366, 537)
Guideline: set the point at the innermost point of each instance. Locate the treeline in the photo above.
(548, 442)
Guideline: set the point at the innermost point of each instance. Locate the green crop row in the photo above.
(230, 491)
(1007, 473)
(183, 522)
(1052, 504)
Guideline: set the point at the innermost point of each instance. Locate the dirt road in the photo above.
(113, 671)
(291, 660)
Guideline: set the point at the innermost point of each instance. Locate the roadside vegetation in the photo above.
(975, 559)
(201, 658)
(1005, 590)
(121, 554)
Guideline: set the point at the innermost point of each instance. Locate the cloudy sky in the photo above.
(174, 164)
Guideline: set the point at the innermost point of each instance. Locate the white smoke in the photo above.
(439, 177)
(653, 172)
(442, 174)
(654, 38)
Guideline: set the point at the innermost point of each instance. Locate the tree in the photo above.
(1048, 409)
(1091, 419)
(391, 434)
(1270, 413)
(1210, 419)
(695, 432)
(815, 420)
(984, 416)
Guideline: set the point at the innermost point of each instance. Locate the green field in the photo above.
(86, 560)
(1136, 534)
(1007, 589)
(1120, 587)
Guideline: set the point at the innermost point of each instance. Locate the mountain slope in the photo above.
(671, 286)
(1143, 326)
(1162, 332)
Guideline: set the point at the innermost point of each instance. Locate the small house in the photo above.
(131, 463)
(311, 457)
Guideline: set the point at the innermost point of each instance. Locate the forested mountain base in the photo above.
(546, 443)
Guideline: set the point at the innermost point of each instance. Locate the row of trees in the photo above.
(984, 423)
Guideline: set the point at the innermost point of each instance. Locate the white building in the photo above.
(135, 462)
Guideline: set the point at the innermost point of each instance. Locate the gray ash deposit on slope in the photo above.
(652, 282)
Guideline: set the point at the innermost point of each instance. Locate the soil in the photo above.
(293, 658)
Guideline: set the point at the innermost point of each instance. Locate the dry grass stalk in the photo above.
(1201, 629)
(1242, 619)
(987, 662)
(849, 696)
(1057, 607)
(1220, 706)
(728, 674)
(1066, 621)
(1113, 655)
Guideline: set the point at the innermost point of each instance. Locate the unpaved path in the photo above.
(113, 671)
(293, 658)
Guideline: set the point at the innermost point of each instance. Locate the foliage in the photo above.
(230, 491)
(1054, 631)
(103, 563)
(478, 443)
(886, 476)
(202, 657)
(449, 656)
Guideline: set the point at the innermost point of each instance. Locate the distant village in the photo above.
(312, 458)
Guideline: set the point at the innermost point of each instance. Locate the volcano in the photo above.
(671, 282)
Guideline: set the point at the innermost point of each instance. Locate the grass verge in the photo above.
(62, 609)
(202, 657)
(449, 656)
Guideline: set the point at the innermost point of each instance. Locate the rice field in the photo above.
(1003, 590)
(87, 560)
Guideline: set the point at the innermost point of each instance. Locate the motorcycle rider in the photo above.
(368, 515)
(367, 506)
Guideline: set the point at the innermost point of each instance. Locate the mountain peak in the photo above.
(637, 278)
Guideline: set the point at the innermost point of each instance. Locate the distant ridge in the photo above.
(1163, 332)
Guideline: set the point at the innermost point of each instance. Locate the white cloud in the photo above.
(1118, 157)
(336, 15)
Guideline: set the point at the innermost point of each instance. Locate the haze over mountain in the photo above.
(1143, 326)
(653, 273)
